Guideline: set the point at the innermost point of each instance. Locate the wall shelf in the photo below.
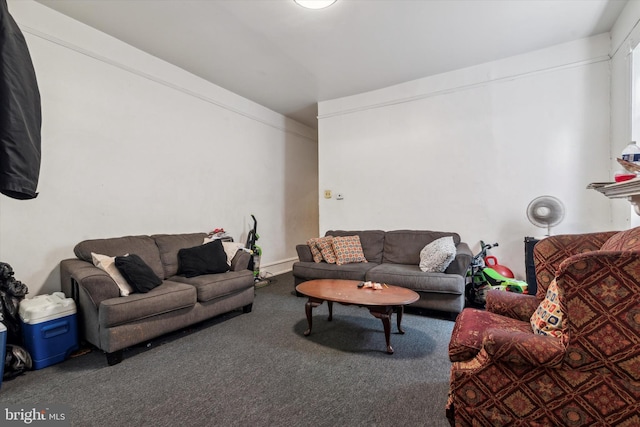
(629, 190)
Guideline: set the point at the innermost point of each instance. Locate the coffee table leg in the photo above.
(308, 307)
(399, 311)
(330, 304)
(384, 314)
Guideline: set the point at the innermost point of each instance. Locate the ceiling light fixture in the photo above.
(315, 4)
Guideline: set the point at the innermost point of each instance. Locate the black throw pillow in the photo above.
(209, 258)
(139, 275)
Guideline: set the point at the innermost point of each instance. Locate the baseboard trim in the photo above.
(277, 267)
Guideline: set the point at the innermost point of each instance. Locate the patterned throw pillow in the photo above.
(437, 255)
(326, 249)
(547, 319)
(315, 252)
(348, 249)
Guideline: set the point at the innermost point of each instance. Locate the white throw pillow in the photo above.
(437, 255)
(230, 248)
(107, 263)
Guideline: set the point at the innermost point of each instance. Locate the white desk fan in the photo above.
(545, 211)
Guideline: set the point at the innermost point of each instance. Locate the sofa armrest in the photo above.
(240, 260)
(523, 348)
(510, 304)
(96, 283)
(304, 253)
(461, 262)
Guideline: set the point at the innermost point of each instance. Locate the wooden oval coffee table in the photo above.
(380, 302)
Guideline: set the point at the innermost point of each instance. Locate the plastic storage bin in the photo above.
(49, 328)
(3, 349)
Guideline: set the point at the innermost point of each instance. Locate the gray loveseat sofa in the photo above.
(393, 257)
(112, 322)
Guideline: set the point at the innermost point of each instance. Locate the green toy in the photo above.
(481, 279)
(498, 281)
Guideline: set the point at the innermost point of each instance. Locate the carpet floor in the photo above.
(258, 369)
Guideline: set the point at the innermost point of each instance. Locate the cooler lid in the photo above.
(46, 307)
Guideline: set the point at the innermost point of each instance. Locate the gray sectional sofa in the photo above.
(393, 257)
(112, 322)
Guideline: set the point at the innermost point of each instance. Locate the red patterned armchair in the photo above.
(504, 374)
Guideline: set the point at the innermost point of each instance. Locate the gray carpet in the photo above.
(259, 369)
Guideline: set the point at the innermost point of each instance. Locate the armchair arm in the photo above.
(523, 348)
(510, 304)
(599, 294)
(462, 261)
(304, 253)
(548, 253)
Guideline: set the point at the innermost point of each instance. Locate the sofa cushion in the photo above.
(372, 242)
(404, 246)
(209, 258)
(437, 255)
(313, 270)
(547, 319)
(108, 264)
(326, 249)
(170, 244)
(212, 286)
(143, 246)
(167, 297)
(469, 330)
(628, 240)
(137, 273)
(410, 276)
(348, 250)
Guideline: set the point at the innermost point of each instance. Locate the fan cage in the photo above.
(545, 211)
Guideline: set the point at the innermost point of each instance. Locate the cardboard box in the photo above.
(49, 328)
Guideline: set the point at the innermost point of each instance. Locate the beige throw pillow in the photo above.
(230, 248)
(107, 263)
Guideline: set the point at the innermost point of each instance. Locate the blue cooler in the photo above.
(3, 349)
(49, 328)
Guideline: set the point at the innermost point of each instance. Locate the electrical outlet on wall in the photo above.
(327, 194)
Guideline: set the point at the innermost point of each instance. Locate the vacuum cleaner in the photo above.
(254, 250)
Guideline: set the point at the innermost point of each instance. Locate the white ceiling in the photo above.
(288, 58)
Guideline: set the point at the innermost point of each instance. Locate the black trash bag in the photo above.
(16, 361)
(12, 291)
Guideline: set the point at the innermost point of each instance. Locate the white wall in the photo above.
(625, 36)
(133, 145)
(467, 151)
